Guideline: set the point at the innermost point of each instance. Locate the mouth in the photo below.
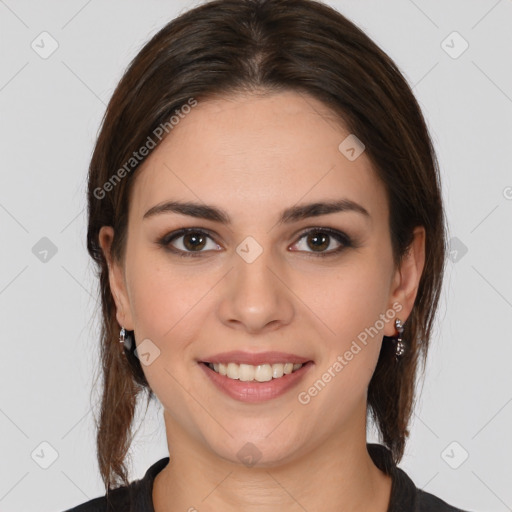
(255, 383)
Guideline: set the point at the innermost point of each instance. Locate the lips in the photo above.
(241, 357)
(254, 391)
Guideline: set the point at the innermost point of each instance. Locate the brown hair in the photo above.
(229, 46)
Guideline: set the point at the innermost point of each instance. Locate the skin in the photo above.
(239, 153)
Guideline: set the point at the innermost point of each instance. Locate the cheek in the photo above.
(167, 304)
(353, 296)
(350, 307)
(351, 303)
(164, 297)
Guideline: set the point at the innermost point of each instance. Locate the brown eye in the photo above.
(318, 241)
(194, 241)
(322, 241)
(188, 242)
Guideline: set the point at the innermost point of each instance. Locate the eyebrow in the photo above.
(289, 215)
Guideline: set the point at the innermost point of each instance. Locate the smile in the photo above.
(252, 390)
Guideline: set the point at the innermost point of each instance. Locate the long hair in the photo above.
(229, 46)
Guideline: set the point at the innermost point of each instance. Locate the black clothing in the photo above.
(405, 497)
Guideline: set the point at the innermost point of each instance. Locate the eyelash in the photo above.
(339, 236)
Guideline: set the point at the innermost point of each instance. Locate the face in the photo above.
(320, 286)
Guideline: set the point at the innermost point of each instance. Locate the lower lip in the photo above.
(256, 391)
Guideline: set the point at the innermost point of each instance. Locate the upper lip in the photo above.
(241, 357)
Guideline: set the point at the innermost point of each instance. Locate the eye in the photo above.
(321, 239)
(188, 241)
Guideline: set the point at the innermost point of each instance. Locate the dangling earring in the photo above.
(400, 345)
(125, 339)
(122, 335)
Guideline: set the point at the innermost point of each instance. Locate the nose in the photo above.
(255, 297)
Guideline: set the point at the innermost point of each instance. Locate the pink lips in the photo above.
(253, 391)
(240, 357)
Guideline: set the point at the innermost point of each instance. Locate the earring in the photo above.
(125, 339)
(400, 345)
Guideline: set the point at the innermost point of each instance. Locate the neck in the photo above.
(338, 475)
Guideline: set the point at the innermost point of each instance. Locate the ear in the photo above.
(406, 279)
(116, 280)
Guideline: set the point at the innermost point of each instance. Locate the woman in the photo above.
(265, 212)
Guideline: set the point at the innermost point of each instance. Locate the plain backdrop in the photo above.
(51, 106)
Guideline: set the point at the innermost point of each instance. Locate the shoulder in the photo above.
(118, 499)
(136, 496)
(429, 503)
(405, 496)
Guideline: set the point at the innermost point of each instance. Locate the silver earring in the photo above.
(125, 338)
(400, 345)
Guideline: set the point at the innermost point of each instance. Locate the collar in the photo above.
(403, 490)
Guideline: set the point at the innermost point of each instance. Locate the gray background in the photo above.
(50, 113)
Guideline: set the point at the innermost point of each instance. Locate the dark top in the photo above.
(405, 497)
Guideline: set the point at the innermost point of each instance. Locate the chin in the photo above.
(255, 451)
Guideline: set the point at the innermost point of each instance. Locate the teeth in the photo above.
(259, 373)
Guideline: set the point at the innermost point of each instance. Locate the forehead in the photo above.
(252, 153)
